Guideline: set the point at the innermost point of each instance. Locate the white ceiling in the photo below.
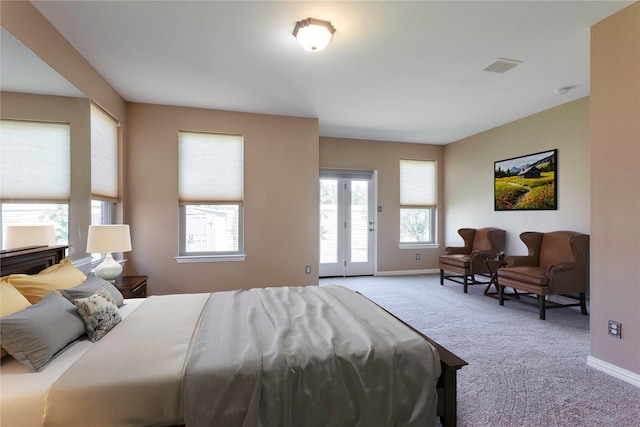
(397, 71)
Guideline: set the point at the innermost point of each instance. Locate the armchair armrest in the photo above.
(451, 250)
(553, 268)
(521, 260)
(481, 254)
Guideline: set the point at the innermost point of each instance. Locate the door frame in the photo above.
(355, 174)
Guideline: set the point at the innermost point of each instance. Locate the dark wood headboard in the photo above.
(30, 260)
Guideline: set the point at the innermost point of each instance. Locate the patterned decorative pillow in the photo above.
(99, 313)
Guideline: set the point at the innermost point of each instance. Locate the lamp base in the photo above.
(109, 269)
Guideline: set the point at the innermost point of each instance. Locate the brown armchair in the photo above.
(557, 264)
(468, 260)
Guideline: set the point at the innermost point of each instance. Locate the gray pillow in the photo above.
(34, 335)
(89, 287)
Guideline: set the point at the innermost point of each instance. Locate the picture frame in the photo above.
(526, 182)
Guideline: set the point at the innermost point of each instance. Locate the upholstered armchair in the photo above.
(557, 264)
(468, 260)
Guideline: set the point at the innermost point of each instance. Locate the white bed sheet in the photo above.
(23, 392)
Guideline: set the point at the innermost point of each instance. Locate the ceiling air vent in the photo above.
(502, 65)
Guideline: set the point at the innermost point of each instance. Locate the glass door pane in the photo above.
(328, 221)
(359, 221)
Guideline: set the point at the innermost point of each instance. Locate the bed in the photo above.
(116, 381)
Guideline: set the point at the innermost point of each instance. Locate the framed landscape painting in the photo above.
(527, 182)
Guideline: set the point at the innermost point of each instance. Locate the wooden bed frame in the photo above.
(31, 260)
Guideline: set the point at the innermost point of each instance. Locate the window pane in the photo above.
(36, 213)
(101, 212)
(212, 228)
(415, 225)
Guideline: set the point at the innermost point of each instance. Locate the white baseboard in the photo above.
(615, 371)
(406, 272)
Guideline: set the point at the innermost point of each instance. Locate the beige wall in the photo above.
(469, 174)
(280, 199)
(384, 157)
(74, 111)
(615, 188)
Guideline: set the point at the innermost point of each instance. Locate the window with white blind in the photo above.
(104, 155)
(104, 166)
(35, 184)
(211, 196)
(418, 202)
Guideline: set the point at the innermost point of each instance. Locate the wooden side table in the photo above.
(132, 286)
(493, 265)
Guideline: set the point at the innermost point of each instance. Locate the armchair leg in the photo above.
(465, 283)
(501, 294)
(441, 277)
(583, 303)
(541, 304)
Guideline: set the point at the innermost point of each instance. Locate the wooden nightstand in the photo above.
(132, 286)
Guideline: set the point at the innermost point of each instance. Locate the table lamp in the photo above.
(108, 239)
(26, 235)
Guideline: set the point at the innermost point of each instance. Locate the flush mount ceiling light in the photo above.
(313, 34)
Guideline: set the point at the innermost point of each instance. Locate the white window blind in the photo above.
(34, 161)
(104, 155)
(210, 168)
(418, 183)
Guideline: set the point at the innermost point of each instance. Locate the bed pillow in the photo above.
(11, 301)
(99, 313)
(59, 276)
(36, 334)
(90, 287)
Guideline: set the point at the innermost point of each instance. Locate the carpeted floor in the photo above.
(522, 371)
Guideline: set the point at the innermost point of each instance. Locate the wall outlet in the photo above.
(418, 257)
(615, 329)
(307, 269)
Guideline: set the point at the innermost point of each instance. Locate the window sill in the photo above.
(419, 245)
(186, 259)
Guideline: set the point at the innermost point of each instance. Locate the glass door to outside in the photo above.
(346, 225)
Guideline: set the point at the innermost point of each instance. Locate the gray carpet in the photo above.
(522, 371)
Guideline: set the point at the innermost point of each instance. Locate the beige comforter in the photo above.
(133, 375)
(265, 357)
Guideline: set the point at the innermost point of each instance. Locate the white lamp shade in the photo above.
(108, 238)
(20, 236)
(313, 34)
